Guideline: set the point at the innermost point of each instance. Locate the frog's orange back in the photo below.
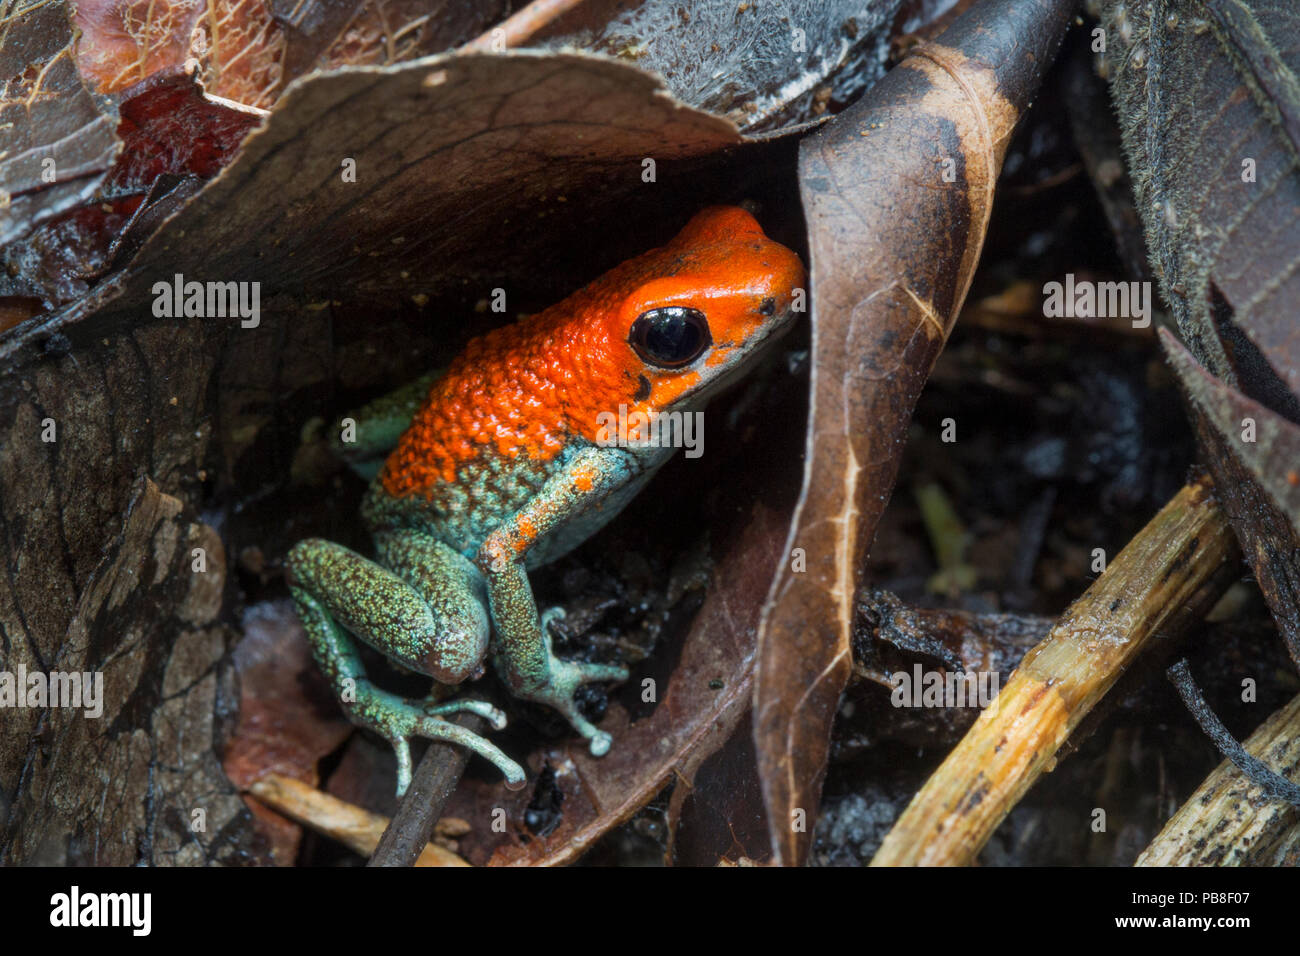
(524, 392)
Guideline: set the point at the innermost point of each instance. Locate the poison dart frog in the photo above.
(499, 465)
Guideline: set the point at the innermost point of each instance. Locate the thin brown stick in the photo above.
(1016, 738)
(1228, 821)
(432, 784)
(518, 29)
(354, 827)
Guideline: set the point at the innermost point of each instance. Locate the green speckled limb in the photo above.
(432, 622)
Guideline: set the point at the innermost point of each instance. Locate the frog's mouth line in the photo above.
(756, 346)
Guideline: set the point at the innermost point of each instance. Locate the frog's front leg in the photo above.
(522, 652)
(426, 616)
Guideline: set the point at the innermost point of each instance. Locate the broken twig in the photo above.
(1229, 821)
(431, 785)
(354, 827)
(1016, 738)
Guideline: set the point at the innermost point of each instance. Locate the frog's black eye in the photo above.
(670, 336)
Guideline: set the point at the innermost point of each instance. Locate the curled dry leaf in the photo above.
(1259, 481)
(894, 244)
(471, 143)
(472, 172)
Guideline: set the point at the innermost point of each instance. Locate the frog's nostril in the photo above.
(767, 307)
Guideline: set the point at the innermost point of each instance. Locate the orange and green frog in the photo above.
(502, 463)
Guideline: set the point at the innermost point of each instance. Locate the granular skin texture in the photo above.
(525, 391)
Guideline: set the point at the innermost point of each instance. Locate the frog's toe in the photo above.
(602, 672)
(549, 615)
(402, 748)
(600, 743)
(435, 728)
(516, 781)
(398, 720)
(566, 678)
(599, 740)
(485, 710)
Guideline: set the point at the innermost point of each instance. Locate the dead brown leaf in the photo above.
(238, 44)
(1212, 185)
(124, 42)
(894, 244)
(325, 34)
(287, 721)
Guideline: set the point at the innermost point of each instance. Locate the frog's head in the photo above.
(700, 308)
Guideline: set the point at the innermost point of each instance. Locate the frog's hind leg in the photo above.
(335, 588)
